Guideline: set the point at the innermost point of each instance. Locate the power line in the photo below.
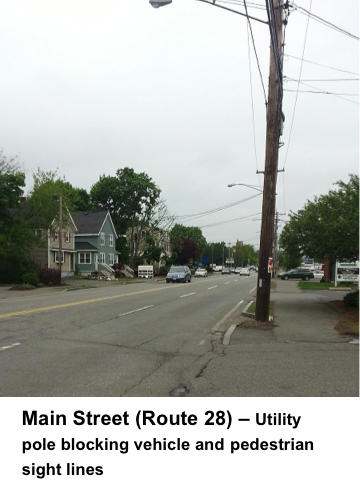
(319, 80)
(257, 58)
(214, 210)
(323, 21)
(321, 91)
(322, 65)
(297, 93)
(243, 218)
(325, 92)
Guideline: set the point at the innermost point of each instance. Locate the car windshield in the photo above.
(176, 269)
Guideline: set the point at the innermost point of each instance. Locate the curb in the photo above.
(245, 313)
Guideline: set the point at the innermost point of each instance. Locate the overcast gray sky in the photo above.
(89, 87)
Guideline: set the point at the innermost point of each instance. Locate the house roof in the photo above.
(91, 222)
(85, 246)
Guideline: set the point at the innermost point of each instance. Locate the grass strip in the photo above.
(323, 286)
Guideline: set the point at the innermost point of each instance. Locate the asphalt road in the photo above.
(131, 340)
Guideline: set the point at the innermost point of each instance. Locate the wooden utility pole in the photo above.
(270, 175)
(60, 235)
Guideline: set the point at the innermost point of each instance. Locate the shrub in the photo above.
(323, 280)
(30, 277)
(163, 269)
(352, 299)
(50, 276)
(118, 267)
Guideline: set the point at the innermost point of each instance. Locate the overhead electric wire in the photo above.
(297, 93)
(275, 45)
(321, 91)
(323, 21)
(243, 218)
(215, 210)
(322, 65)
(257, 58)
(319, 80)
(252, 106)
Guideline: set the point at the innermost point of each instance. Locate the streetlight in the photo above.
(247, 185)
(59, 198)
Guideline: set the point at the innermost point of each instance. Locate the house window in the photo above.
(111, 259)
(111, 240)
(102, 239)
(85, 257)
(57, 257)
(56, 236)
(67, 237)
(101, 257)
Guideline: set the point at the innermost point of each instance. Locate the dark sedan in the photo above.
(302, 273)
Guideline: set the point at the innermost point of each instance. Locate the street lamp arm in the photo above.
(234, 11)
(162, 3)
(247, 185)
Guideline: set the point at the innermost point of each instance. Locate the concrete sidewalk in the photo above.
(302, 356)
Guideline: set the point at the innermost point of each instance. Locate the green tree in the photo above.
(216, 252)
(180, 232)
(327, 226)
(130, 198)
(243, 254)
(15, 237)
(291, 261)
(41, 208)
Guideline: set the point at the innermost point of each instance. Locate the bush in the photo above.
(118, 267)
(30, 277)
(323, 280)
(163, 269)
(352, 299)
(50, 276)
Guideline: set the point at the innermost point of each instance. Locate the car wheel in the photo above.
(286, 277)
(306, 278)
(190, 280)
(167, 281)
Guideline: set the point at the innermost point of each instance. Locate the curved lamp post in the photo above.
(247, 185)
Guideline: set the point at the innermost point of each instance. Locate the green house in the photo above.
(95, 242)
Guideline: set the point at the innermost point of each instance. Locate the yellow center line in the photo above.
(4, 316)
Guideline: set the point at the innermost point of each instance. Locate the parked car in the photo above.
(201, 272)
(237, 270)
(178, 274)
(303, 273)
(225, 271)
(318, 274)
(245, 271)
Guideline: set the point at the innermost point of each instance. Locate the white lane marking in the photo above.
(235, 280)
(137, 310)
(215, 286)
(227, 283)
(202, 342)
(188, 295)
(253, 289)
(9, 346)
(218, 325)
